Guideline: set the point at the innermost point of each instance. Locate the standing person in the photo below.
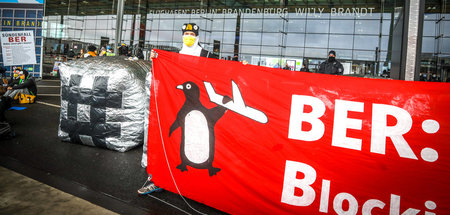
(304, 68)
(123, 50)
(286, 67)
(331, 65)
(140, 53)
(192, 47)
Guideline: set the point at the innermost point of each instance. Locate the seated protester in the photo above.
(92, 51)
(26, 85)
(123, 50)
(15, 76)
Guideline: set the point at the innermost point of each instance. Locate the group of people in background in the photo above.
(108, 51)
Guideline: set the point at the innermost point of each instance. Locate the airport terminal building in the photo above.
(407, 40)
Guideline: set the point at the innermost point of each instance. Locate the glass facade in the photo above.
(267, 33)
(435, 58)
(20, 17)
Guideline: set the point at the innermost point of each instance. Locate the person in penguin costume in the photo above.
(197, 123)
(191, 44)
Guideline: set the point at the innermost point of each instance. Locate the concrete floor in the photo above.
(22, 195)
(102, 177)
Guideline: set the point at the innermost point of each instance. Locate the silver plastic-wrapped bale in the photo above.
(103, 102)
(148, 81)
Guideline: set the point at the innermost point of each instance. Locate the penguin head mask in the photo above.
(191, 91)
(190, 39)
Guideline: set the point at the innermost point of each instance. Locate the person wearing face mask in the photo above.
(331, 65)
(191, 44)
(26, 85)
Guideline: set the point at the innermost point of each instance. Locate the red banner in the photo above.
(254, 140)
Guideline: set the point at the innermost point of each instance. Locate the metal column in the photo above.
(414, 39)
(119, 21)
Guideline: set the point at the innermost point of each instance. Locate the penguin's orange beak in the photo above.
(180, 87)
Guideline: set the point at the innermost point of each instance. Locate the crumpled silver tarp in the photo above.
(148, 81)
(103, 102)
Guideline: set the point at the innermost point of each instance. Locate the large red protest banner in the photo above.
(254, 140)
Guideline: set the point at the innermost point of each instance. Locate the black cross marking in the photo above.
(99, 99)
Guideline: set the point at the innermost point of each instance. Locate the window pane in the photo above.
(296, 52)
(428, 45)
(270, 50)
(386, 27)
(429, 28)
(250, 49)
(296, 25)
(317, 26)
(384, 43)
(295, 40)
(364, 55)
(446, 28)
(316, 40)
(251, 25)
(342, 26)
(19, 13)
(366, 42)
(271, 39)
(229, 37)
(316, 53)
(341, 41)
(273, 25)
(31, 14)
(445, 45)
(230, 24)
(367, 27)
(251, 38)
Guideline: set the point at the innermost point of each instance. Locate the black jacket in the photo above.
(333, 67)
(28, 82)
(208, 54)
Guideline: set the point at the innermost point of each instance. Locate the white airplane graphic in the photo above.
(237, 104)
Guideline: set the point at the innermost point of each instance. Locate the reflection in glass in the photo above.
(366, 42)
(297, 40)
(317, 26)
(316, 40)
(367, 26)
(342, 26)
(341, 41)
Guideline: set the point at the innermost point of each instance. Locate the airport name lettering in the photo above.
(291, 182)
(314, 11)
